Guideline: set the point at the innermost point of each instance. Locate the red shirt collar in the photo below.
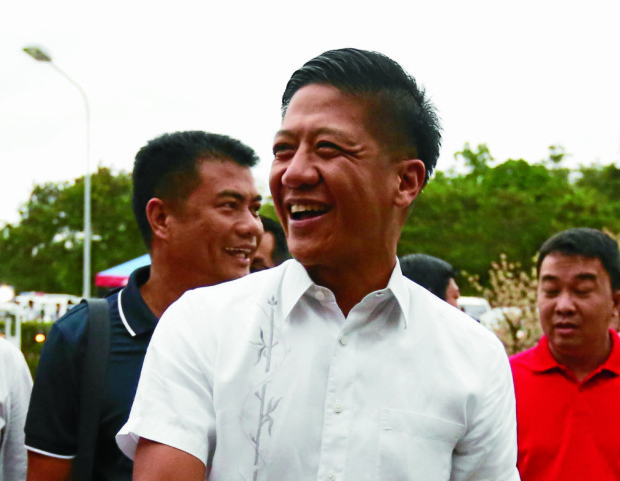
(542, 359)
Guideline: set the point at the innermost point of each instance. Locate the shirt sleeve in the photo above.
(19, 386)
(174, 400)
(488, 451)
(51, 425)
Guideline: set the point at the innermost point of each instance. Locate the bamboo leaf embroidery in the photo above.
(265, 347)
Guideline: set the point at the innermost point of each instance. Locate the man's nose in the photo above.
(564, 303)
(300, 171)
(249, 225)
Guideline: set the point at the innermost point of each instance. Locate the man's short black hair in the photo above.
(167, 168)
(400, 112)
(586, 242)
(430, 272)
(280, 251)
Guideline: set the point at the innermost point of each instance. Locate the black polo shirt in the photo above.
(52, 422)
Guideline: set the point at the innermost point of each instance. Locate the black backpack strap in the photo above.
(93, 378)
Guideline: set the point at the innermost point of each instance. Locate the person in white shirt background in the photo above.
(15, 388)
(333, 365)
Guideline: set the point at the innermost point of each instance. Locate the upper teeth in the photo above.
(306, 208)
(239, 251)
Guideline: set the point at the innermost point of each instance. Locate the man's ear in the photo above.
(614, 322)
(615, 295)
(411, 174)
(157, 213)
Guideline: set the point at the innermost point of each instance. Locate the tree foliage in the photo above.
(511, 208)
(268, 210)
(43, 251)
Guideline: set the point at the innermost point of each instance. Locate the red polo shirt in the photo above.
(567, 430)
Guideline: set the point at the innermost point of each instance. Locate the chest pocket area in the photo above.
(415, 447)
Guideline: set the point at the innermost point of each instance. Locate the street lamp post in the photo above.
(41, 56)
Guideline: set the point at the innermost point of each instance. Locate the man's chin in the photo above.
(225, 276)
(308, 252)
(238, 273)
(306, 258)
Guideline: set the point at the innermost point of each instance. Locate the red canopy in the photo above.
(119, 275)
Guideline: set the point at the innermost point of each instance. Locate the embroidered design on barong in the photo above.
(267, 407)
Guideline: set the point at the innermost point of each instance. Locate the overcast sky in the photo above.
(518, 76)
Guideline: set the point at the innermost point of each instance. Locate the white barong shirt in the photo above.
(263, 378)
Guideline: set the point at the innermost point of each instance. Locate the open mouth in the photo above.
(241, 253)
(307, 211)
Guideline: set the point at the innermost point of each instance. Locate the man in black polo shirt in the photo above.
(197, 208)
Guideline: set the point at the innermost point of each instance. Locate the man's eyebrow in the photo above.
(548, 278)
(284, 133)
(586, 276)
(322, 130)
(239, 196)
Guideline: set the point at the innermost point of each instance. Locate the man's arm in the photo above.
(174, 400)
(158, 462)
(41, 467)
(51, 424)
(489, 450)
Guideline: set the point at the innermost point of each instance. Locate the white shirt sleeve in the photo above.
(488, 452)
(174, 400)
(15, 388)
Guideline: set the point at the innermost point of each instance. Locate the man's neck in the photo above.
(351, 285)
(157, 296)
(582, 365)
(163, 288)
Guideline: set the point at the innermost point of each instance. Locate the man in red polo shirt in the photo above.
(568, 386)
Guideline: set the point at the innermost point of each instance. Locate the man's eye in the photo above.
(328, 149)
(583, 292)
(282, 151)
